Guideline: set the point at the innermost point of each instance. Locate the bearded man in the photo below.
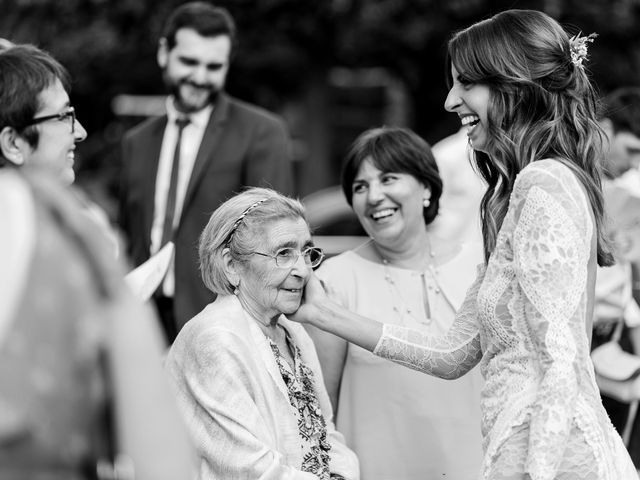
(179, 167)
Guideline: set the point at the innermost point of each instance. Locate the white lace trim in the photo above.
(541, 411)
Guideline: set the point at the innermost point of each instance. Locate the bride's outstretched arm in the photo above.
(321, 312)
(448, 356)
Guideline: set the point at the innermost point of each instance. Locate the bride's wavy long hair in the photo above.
(541, 105)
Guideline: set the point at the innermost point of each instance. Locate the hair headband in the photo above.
(241, 217)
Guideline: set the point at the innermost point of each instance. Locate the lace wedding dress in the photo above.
(524, 321)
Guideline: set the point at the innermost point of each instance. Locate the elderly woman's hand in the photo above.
(314, 297)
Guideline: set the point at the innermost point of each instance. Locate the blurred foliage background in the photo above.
(331, 67)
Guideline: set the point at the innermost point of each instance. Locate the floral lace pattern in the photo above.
(524, 321)
(449, 356)
(311, 423)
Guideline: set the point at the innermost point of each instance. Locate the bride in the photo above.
(519, 84)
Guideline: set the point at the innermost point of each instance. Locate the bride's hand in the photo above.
(314, 296)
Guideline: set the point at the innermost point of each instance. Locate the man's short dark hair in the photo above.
(622, 107)
(204, 18)
(25, 71)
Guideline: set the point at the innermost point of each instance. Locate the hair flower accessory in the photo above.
(578, 48)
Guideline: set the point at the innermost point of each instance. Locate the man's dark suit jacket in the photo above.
(243, 145)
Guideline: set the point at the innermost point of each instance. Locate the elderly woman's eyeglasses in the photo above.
(287, 257)
(68, 117)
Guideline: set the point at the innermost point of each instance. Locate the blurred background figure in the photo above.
(179, 167)
(248, 379)
(621, 122)
(462, 190)
(401, 423)
(82, 391)
(614, 301)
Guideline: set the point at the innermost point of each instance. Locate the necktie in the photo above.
(169, 212)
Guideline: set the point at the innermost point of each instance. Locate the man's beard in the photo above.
(183, 104)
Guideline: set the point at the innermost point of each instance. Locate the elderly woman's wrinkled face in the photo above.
(266, 289)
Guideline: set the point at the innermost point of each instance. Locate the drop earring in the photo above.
(426, 202)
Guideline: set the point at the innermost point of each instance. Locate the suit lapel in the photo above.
(207, 148)
(150, 152)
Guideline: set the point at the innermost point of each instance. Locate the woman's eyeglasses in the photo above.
(287, 257)
(68, 117)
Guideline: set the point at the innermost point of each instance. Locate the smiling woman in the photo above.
(526, 317)
(406, 274)
(38, 127)
(248, 379)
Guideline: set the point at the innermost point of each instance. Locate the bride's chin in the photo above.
(480, 147)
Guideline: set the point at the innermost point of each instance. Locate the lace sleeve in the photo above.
(448, 356)
(550, 257)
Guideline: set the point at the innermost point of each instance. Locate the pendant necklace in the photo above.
(396, 291)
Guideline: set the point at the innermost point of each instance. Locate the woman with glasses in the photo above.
(248, 380)
(38, 126)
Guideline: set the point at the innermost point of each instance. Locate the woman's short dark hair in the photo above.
(25, 72)
(395, 149)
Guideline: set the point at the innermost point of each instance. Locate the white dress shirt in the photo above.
(190, 144)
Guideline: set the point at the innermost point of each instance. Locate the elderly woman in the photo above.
(248, 379)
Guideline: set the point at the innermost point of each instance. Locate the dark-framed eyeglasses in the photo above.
(287, 257)
(68, 117)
